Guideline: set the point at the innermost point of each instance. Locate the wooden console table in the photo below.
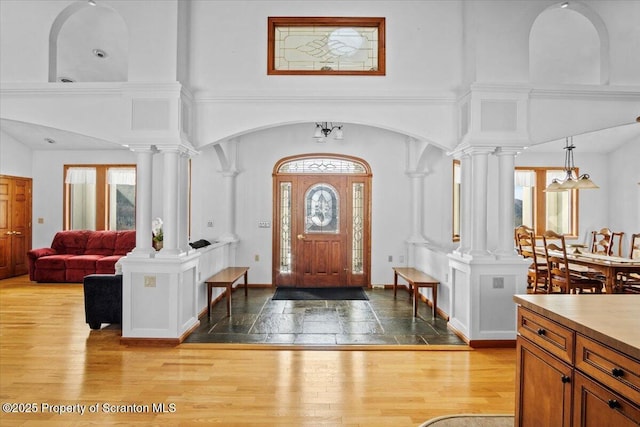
(225, 279)
(416, 279)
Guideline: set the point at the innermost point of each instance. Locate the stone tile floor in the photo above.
(382, 320)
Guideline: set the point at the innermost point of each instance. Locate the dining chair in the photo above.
(537, 276)
(560, 276)
(601, 241)
(630, 283)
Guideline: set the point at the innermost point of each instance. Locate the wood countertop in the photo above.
(613, 320)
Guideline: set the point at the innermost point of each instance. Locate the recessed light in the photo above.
(100, 53)
(65, 80)
(91, 2)
(50, 141)
(564, 5)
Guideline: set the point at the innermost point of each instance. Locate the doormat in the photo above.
(308, 294)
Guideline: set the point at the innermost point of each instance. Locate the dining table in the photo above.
(610, 266)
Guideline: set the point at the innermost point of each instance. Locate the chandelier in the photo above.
(572, 180)
(324, 129)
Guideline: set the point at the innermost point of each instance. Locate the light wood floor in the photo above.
(49, 356)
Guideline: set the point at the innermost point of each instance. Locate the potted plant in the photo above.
(156, 229)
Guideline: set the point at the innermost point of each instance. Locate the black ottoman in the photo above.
(102, 299)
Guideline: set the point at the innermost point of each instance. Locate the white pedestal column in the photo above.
(506, 201)
(170, 202)
(478, 217)
(144, 170)
(230, 196)
(465, 204)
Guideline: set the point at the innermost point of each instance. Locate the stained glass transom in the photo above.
(316, 48)
(321, 209)
(322, 165)
(285, 227)
(357, 255)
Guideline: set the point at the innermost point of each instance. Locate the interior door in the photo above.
(15, 225)
(321, 231)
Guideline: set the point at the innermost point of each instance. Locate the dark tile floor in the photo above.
(382, 320)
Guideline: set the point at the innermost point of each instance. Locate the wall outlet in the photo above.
(264, 224)
(256, 257)
(498, 283)
(390, 259)
(149, 281)
(210, 223)
(40, 220)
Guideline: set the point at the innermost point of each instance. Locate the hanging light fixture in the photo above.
(324, 129)
(571, 180)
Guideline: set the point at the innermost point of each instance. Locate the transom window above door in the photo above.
(322, 165)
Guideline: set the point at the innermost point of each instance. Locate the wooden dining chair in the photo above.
(537, 276)
(601, 241)
(560, 276)
(630, 283)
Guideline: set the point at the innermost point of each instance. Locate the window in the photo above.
(99, 197)
(557, 211)
(326, 45)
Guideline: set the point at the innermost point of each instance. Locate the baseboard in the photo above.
(159, 342)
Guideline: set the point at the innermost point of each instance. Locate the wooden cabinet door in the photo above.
(15, 225)
(543, 390)
(596, 406)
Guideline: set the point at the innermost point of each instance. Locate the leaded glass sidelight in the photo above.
(285, 227)
(322, 165)
(357, 255)
(321, 209)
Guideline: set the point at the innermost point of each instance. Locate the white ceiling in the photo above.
(33, 136)
(602, 141)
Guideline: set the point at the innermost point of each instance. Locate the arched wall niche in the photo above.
(569, 45)
(88, 44)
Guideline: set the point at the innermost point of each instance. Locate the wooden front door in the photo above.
(321, 226)
(15, 225)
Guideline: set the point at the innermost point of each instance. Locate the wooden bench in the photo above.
(416, 279)
(225, 279)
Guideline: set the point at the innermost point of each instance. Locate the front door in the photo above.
(321, 222)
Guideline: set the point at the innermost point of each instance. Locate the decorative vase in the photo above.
(157, 244)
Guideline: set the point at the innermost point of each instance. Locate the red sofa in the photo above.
(77, 253)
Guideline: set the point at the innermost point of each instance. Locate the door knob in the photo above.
(301, 237)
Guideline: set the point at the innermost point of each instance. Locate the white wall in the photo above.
(15, 157)
(624, 191)
(48, 186)
(258, 153)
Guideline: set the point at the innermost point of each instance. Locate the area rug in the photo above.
(471, 420)
(307, 294)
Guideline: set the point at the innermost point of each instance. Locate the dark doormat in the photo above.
(302, 294)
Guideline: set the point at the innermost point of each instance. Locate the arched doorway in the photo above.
(322, 217)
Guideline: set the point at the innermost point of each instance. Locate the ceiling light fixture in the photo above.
(571, 181)
(565, 5)
(324, 129)
(91, 2)
(99, 53)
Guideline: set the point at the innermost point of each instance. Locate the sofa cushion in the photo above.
(53, 262)
(52, 275)
(107, 265)
(71, 241)
(101, 243)
(82, 262)
(125, 242)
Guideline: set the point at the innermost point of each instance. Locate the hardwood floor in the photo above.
(49, 356)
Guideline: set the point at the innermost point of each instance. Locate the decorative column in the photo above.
(170, 202)
(229, 179)
(506, 196)
(183, 208)
(465, 203)
(478, 219)
(144, 181)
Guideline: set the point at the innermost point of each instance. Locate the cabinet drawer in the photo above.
(613, 369)
(551, 336)
(594, 405)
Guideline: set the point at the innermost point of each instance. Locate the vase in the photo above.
(157, 245)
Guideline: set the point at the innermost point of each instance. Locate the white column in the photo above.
(144, 169)
(229, 179)
(183, 208)
(465, 204)
(478, 220)
(416, 203)
(506, 201)
(170, 202)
